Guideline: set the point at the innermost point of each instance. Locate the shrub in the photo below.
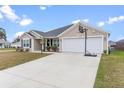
(19, 49)
(54, 48)
(48, 48)
(27, 50)
(105, 51)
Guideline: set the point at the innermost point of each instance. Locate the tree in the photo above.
(2, 34)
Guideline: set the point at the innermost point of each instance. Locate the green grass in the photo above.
(111, 71)
(10, 59)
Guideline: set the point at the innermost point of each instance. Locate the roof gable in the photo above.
(26, 35)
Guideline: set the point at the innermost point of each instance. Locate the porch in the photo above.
(46, 44)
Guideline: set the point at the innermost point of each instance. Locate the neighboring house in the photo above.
(112, 43)
(120, 45)
(16, 43)
(4, 44)
(7, 44)
(67, 39)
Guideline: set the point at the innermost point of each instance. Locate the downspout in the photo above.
(85, 42)
(107, 45)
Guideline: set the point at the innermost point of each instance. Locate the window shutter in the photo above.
(22, 43)
(30, 43)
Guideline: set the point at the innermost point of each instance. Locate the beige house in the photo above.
(67, 39)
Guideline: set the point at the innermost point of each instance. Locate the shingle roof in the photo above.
(53, 33)
(122, 40)
(57, 31)
(30, 34)
(112, 43)
(39, 32)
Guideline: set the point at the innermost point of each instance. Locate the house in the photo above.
(7, 44)
(120, 45)
(4, 44)
(2, 41)
(67, 39)
(112, 43)
(16, 43)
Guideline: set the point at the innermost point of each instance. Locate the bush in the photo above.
(48, 48)
(54, 48)
(27, 50)
(105, 51)
(19, 49)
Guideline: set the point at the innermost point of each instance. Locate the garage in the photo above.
(94, 44)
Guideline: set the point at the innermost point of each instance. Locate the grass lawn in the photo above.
(10, 59)
(111, 71)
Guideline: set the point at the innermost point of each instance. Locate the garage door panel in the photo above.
(94, 45)
(73, 45)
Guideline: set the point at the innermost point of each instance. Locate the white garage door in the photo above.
(94, 45)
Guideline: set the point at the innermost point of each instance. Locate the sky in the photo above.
(17, 19)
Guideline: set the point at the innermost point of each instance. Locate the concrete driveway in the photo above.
(63, 70)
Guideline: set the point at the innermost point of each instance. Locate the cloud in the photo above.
(18, 34)
(76, 21)
(9, 13)
(121, 18)
(85, 20)
(1, 16)
(111, 20)
(115, 19)
(25, 21)
(102, 23)
(43, 7)
(79, 20)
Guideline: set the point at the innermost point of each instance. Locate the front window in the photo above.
(26, 43)
(48, 42)
(56, 42)
(53, 42)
